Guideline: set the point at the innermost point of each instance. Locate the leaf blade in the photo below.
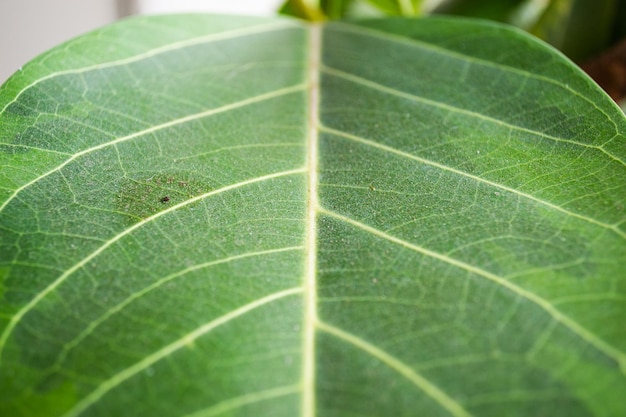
(448, 213)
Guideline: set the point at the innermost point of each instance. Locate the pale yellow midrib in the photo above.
(310, 296)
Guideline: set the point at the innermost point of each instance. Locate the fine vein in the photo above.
(174, 46)
(557, 315)
(447, 107)
(186, 340)
(443, 399)
(175, 122)
(52, 286)
(473, 177)
(157, 284)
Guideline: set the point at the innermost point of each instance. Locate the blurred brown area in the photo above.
(609, 70)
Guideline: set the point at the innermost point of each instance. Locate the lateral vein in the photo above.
(153, 52)
(56, 283)
(138, 294)
(389, 90)
(187, 339)
(175, 122)
(618, 356)
(430, 389)
(389, 149)
(361, 30)
(246, 399)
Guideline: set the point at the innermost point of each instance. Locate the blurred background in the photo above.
(591, 32)
(30, 27)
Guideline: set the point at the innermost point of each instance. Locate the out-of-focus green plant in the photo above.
(579, 28)
(336, 9)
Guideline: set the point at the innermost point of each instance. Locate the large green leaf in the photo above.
(380, 218)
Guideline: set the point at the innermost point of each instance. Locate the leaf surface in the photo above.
(205, 216)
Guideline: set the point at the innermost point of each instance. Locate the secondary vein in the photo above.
(62, 278)
(171, 123)
(156, 51)
(443, 167)
(610, 351)
(447, 107)
(362, 30)
(186, 340)
(443, 399)
(157, 284)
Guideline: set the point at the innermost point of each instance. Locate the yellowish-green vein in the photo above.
(55, 284)
(214, 37)
(389, 149)
(189, 118)
(186, 340)
(388, 90)
(573, 326)
(517, 397)
(244, 400)
(120, 306)
(430, 389)
(361, 30)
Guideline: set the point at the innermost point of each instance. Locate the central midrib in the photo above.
(310, 299)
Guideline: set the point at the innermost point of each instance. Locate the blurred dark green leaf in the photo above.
(398, 7)
(579, 28)
(498, 10)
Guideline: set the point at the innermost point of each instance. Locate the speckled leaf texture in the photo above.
(227, 216)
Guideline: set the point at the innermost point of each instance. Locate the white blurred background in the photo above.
(30, 27)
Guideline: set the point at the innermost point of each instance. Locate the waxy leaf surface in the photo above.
(227, 216)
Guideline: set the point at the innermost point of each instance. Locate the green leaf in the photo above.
(209, 215)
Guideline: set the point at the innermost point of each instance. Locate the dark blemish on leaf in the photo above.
(143, 196)
(12, 150)
(372, 188)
